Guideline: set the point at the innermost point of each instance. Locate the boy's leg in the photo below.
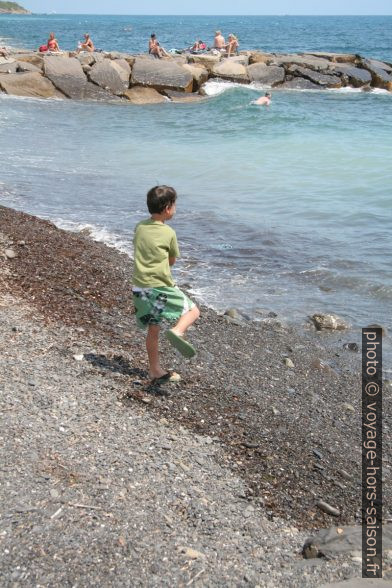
(152, 345)
(186, 321)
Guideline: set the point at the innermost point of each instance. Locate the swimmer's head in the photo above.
(268, 95)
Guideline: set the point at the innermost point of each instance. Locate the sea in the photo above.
(285, 209)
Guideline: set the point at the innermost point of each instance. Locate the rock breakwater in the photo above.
(118, 76)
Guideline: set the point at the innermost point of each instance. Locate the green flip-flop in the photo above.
(185, 348)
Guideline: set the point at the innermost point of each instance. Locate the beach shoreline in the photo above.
(280, 412)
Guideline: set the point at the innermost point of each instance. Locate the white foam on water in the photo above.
(99, 234)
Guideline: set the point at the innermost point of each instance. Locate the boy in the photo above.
(155, 295)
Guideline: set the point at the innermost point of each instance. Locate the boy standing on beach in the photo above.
(155, 295)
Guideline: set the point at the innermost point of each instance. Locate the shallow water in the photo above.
(286, 208)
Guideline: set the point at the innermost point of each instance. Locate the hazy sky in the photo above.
(211, 6)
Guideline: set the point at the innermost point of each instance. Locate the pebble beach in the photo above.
(218, 480)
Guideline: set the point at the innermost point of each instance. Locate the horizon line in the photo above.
(178, 14)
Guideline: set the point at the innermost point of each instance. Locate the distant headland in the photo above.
(12, 8)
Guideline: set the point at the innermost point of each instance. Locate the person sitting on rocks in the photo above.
(219, 41)
(155, 49)
(87, 45)
(232, 45)
(198, 46)
(51, 45)
(4, 52)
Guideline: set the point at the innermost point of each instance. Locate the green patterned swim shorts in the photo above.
(154, 305)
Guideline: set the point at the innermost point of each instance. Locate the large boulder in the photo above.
(336, 57)
(26, 66)
(161, 74)
(353, 76)
(242, 58)
(33, 58)
(181, 97)
(198, 72)
(338, 541)
(266, 74)
(257, 57)
(111, 75)
(299, 84)
(140, 95)
(328, 81)
(230, 70)
(31, 84)
(67, 75)
(375, 63)
(208, 60)
(380, 77)
(8, 65)
(94, 92)
(308, 61)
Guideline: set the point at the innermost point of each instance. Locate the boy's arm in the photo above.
(172, 260)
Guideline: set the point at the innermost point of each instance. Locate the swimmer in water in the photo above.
(263, 100)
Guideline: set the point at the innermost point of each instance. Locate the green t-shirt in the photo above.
(154, 242)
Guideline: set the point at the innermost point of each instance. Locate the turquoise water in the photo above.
(367, 35)
(286, 208)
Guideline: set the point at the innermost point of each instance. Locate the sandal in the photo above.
(185, 348)
(171, 377)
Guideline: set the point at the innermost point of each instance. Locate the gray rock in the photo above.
(266, 74)
(66, 74)
(351, 346)
(181, 97)
(230, 70)
(336, 57)
(380, 64)
(209, 61)
(329, 81)
(328, 509)
(111, 75)
(94, 92)
(233, 313)
(140, 95)
(380, 77)
(23, 66)
(258, 57)
(199, 73)
(8, 65)
(384, 331)
(343, 540)
(31, 84)
(355, 76)
(328, 321)
(33, 58)
(161, 74)
(299, 84)
(307, 61)
(10, 253)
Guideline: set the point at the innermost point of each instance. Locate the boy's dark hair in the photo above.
(159, 197)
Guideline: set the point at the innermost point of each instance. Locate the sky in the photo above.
(226, 7)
